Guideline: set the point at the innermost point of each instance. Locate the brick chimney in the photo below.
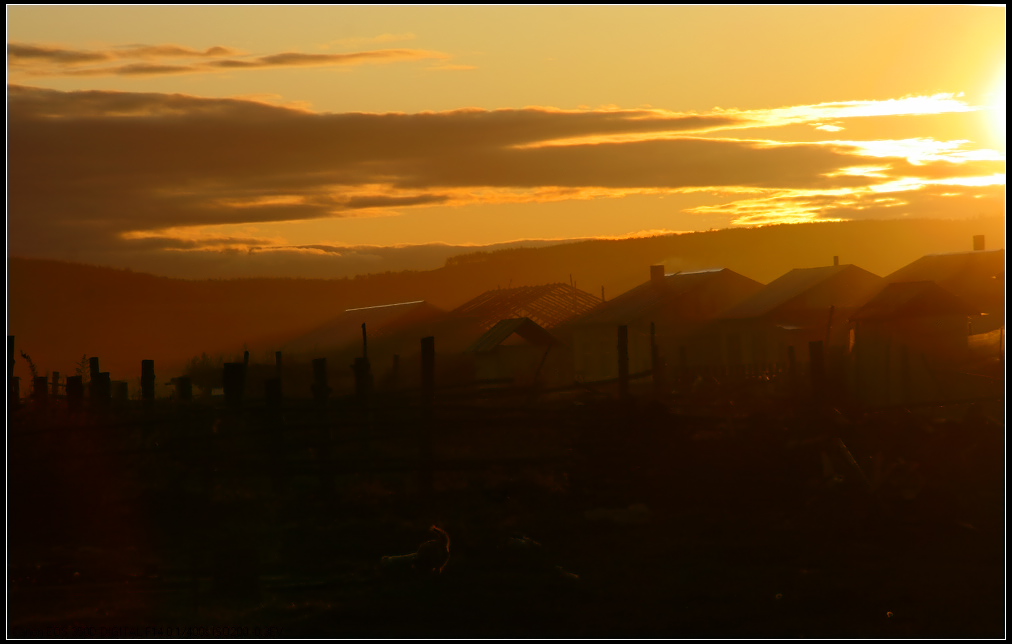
(978, 242)
(657, 274)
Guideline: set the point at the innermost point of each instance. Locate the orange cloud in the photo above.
(42, 60)
(88, 167)
(26, 54)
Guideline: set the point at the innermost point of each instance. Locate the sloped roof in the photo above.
(524, 327)
(913, 299)
(645, 299)
(977, 276)
(947, 267)
(791, 288)
(380, 321)
(548, 305)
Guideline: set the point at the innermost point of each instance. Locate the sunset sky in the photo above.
(167, 136)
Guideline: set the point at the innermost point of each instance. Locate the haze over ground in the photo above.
(212, 141)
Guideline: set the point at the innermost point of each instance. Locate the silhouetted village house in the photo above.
(907, 342)
(936, 333)
(772, 329)
(976, 276)
(676, 305)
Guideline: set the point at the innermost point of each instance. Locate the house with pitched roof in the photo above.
(907, 342)
(675, 305)
(977, 276)
(774, 326)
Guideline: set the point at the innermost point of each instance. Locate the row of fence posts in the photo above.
(102, 390)
(234, 377)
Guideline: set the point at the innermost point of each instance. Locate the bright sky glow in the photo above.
(189, 129)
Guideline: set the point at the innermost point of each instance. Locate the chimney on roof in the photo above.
(836, 260)
(978, 242)
(657, 274)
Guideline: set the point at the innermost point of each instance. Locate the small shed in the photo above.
(519, 351)
(906, 343)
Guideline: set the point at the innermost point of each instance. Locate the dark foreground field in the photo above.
(566, 519)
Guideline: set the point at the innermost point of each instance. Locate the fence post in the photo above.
(148, 383)
(75, 393)
(101, 390)
(320, 388)
(40, 391)
(363, 379)
(233, 382)
(363, 371)
(184, 388)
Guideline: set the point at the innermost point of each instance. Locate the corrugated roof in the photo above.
(913, 299)
(548, 305)
(524, 327)
(793, 285)
(645, 299)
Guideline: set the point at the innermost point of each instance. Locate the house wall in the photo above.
(677, 325)
(595, 348)
(524, 365)
(910, 360)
